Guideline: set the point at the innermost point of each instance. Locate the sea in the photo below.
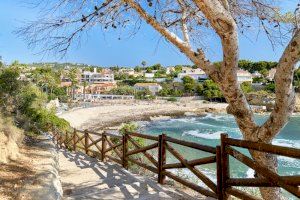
(207, 129)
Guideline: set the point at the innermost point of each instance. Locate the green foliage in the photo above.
(270, 87)
(259, 80)
(160, 73)
(8, 81)
(199, 89)
(128, 128)
(123, 90)
(171, 89)
(172, 99)
(143, 63)
(189, 84)
(178, 68)
(256, 66)
(145, 94)
(137, 69)
(211, 90)
(246, 87)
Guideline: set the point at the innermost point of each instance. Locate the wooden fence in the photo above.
(122, 148)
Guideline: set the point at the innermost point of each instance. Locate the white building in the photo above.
(244, 76)
(95, 76)
(153, 87)
(197, 74)
(256, 74)
(271, 74)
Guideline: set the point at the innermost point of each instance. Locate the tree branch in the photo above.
(285, 95)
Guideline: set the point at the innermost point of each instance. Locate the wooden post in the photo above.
(125, 150)
(86, 142)
(103, 146)
(74, 140)
(219, 173)
(225, 165)
(161, 158)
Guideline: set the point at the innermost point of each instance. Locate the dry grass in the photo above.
(10, 140)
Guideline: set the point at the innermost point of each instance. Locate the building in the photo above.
(95, 76)
(153, 87)
(271, 74)
(128, 71)
(100, 88)
(243, 76)
(196, 74)
(256, 74)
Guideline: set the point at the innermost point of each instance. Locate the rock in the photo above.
(190, 114)
(160, 117)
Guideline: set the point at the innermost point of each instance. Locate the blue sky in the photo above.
(109, 51)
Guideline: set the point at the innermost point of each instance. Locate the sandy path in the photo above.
(83, 177)
(95, 118)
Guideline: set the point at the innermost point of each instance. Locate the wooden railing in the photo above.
(122, 148)
(265, 176)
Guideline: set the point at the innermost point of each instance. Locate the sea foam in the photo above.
(197, 133)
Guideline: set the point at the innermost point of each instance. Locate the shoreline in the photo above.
(105, 116)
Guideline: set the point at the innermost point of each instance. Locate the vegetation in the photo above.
(26, 102)
(262, 66)
(122, 90)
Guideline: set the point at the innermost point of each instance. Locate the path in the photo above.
(83, 177)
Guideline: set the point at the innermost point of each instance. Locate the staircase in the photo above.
(83, 177)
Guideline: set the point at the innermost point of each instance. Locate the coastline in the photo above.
(110, 115)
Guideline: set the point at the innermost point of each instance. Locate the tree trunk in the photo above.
(270, 161)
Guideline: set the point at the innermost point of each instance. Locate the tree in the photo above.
(199, 89)
(211, 90)
(144, 63)
(224, 18)
(189, 84)
(73, 76)
(246, 87)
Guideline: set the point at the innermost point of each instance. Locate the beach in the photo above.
(109, 115)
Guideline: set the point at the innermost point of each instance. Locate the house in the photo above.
(128, 71)
(149, 75)
(169, 70)
(256, 74)
(101, 87)
(271, 74)
(96, 88)
(95, 76)
(196, 74)
(243, 76)
(153, 87)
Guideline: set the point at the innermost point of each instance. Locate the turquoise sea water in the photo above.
(207, 130)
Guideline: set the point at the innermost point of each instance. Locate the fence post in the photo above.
(161, 158)
(225, 165)
(74, 140)
(86, 141)
(103, 146)
(219, 172)
(125, 150)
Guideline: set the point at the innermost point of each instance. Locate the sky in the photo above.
(108, 50)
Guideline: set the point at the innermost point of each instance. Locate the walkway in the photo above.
(83, 177)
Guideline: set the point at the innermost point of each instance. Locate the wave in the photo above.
(287, 143)
(208, 135)
(218, 117)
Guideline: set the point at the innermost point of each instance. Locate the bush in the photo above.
(172, 99)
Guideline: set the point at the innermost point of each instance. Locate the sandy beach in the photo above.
(108, 115)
